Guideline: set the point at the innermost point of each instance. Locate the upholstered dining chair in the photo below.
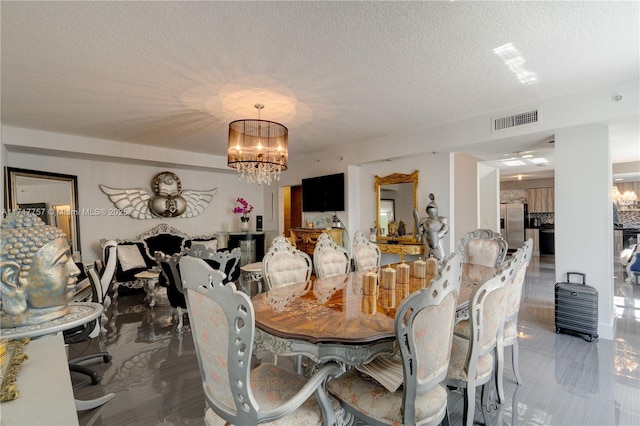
(284, 264)
(483, 247)
(514, 298)
(424, 331)
(519, 263)
(366, 255)
(329, 259)
(472, 359)
(223, 327)
(171, 279)
(223, 259)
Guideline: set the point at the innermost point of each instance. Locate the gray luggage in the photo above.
(577, 307)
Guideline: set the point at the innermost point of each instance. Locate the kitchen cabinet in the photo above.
(305, 239)
(540, 200)
(534, 234)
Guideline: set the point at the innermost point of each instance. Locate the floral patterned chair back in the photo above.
(424, 331)
(472, 357)
(223, 329)
(284, 264)
(483, 247)
(366, 255)
(522, 257)
(329, 259)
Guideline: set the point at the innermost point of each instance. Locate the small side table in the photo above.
(149, 279)
(251, 273)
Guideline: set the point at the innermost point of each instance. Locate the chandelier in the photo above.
(258, 149)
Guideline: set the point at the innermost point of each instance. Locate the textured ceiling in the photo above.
(174, 74)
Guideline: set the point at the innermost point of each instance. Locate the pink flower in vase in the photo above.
(243, 208)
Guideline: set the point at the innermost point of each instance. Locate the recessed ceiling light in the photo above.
(538, 160)
(513, 163)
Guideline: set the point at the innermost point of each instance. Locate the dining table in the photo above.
(339, 319)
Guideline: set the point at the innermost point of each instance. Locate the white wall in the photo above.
(465, 190)
(118, 174)
(489, 197)
(583, 214)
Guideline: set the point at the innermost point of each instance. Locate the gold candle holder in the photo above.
(403, 290)
(370, 283)
(432, 266)
(369, 304)
(403, 273)
(388, 278)
(387, 298)
(420, 268)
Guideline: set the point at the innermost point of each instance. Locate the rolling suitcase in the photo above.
(577, 307)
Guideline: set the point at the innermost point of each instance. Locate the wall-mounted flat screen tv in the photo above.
(323, 193)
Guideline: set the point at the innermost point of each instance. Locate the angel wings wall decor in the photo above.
(168, 199)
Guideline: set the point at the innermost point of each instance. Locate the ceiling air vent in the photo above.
(514, 120)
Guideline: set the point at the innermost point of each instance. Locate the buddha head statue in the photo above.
(38, 275)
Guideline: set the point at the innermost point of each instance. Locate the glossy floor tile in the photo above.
(567, 381)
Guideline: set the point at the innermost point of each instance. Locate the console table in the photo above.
(236, 237)
(305, 239)
(79, 313)
(46, 392)
(401, 249)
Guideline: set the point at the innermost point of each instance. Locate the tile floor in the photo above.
(567, 381)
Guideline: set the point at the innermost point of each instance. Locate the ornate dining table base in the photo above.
(323, 352)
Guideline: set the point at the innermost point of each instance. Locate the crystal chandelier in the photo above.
(258, 149)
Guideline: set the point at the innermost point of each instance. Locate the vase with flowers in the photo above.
(243, 208)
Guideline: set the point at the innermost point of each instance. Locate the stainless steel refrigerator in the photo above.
(512, 217)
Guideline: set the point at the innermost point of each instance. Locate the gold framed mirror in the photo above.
(402, 189)
(52, 196)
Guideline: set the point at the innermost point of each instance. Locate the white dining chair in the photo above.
(472, 359)
(514, 298)
(223, 329)
(284, 264)
(424, 330)
(329, 259)
(366, 255)
(483, 247)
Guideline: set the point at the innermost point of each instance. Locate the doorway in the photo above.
(292, 206)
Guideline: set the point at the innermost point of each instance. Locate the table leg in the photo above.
(149, 286)
(152, 290)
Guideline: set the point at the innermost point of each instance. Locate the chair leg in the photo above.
(180, 320)
(469, 404)
(445, 420)
(499, 373)
(93, 403)
(95, 378)
(514, 360)
(484, 402)
(74, 365)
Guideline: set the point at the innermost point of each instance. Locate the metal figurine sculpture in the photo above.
(168, 199)
(38, 275)
(432, 229)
